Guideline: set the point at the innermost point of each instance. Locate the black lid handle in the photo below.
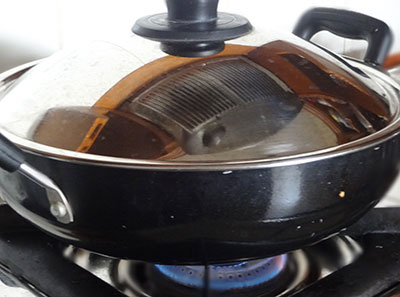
(192, 28)
(348, 24)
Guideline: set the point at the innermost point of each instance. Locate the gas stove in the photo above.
(363, 260)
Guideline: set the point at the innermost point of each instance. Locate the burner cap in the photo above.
(192, 28)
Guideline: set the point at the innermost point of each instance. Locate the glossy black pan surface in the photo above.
(187, 217)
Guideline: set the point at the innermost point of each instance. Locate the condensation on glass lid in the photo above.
(245, 103)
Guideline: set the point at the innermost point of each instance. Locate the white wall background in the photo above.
(33, 28)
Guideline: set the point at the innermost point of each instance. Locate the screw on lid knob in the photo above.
(192, 28)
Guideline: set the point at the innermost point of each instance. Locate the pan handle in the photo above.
(348, 24)
(13, 159)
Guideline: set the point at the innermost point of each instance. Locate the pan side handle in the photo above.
(12, 159)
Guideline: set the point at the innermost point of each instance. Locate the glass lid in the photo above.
(258, 99)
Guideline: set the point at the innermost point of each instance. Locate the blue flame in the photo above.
(227, 277)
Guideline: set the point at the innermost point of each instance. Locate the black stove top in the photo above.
(361, 261)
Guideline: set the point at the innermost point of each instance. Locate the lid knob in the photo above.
(202, 11)
(192, 28)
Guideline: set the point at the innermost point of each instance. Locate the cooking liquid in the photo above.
(104, 132)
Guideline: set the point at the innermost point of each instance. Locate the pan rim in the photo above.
(226, 167)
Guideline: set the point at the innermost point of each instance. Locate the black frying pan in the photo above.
(192, 215)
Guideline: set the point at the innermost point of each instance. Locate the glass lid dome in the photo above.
(261, 97)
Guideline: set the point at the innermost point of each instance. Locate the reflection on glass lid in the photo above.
(245, 103)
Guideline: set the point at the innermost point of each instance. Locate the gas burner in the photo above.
(266, 277)
(226, 277)
(282, 275)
